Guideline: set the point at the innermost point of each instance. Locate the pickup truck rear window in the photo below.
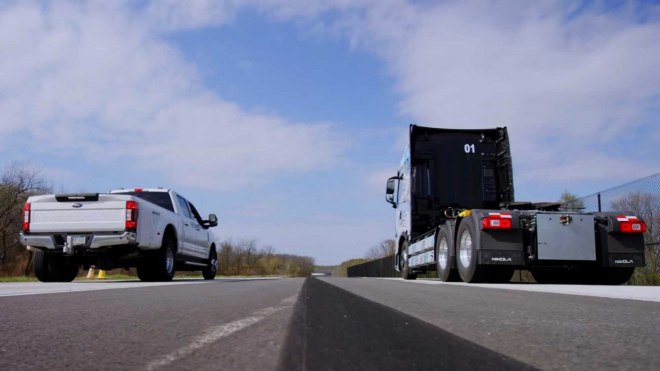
(161, 199)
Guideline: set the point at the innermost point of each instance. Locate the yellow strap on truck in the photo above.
(464, 213)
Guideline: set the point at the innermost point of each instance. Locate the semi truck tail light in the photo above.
(26, 217)
(630, 224)
(496, 223)
(132, 209)
(632, 227)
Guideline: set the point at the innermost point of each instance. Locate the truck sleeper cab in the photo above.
(455, 213)
(156, 231)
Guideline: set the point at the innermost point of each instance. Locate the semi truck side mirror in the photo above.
(389, 191)
(213, 220)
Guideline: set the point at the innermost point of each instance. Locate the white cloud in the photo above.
(91, 79)
(568, 87)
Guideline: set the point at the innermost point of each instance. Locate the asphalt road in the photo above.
(326, 324)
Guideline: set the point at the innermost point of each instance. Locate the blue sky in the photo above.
(285, 117)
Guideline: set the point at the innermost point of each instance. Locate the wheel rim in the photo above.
(466, 249)
(169, 260)
(404, 255)
(443, 253)
(214, 265)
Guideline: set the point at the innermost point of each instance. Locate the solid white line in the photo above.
(216, 333)
(36, 288)
(642, 293)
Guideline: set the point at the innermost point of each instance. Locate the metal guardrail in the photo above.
(383, 267)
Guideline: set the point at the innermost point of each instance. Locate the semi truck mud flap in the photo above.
(566, 237)
(626, 260)
(501, 257)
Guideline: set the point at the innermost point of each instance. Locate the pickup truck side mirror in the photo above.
(389, 191)
(213, 220)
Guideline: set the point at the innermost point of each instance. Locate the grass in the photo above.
(19, 279)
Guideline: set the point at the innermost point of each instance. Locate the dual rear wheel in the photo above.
(158, 265)
(52, 267)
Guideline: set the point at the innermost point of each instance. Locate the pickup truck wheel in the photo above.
(41, 267)
(144, 271)
(405, 272)
(65, 271)
(443, 258)
(466, 254)
(164, 264)
(54, 268)
(211, 270)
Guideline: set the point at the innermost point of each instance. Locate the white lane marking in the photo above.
(35, 288)
(216, 333)
(642, 293)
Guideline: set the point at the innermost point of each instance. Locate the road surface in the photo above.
(326, 324)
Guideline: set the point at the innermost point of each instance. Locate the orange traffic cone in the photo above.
(101, 275)
(90, 274)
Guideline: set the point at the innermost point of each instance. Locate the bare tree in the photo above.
(252, 254)
(570, 200)
(383, 249)
(18, 182)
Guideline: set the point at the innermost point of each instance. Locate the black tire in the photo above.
(65, 271)
(41, 267)
(159, 265)
(50, 267)
(467, 254)
(443, 258)
(144, 271)
(211, 269)
(405, 271)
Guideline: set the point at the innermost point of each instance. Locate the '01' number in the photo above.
(469, 148)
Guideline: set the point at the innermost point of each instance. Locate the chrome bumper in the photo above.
(96, 241)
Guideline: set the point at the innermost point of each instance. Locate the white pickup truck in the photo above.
(156, 230)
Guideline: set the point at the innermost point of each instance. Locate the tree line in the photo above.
(246, 258)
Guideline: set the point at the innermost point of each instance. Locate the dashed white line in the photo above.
(216, 333)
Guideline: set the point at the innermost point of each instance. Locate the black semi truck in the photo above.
(456, 213)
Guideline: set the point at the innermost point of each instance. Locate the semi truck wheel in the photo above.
(405, 271)
(466, 254)
(443, 257)
(41, 267)
(211, 270)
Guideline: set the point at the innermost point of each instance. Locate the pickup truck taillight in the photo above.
(631, 224)
(132, 209)
(26, 217)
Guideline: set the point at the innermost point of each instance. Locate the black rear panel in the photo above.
(454, 168)
(161, 199)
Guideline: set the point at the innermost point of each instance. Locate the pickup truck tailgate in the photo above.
(108, 214)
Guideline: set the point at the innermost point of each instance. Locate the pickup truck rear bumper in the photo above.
(95, 241)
